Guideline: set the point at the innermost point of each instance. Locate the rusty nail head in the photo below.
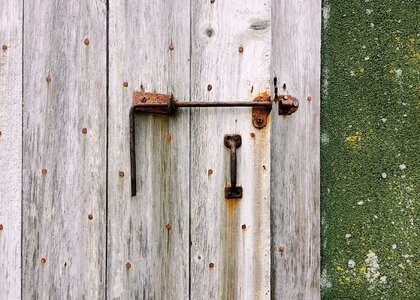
(260, 120)
(43, 260)
(125, 84)
(128, 265)
(241, 49)
(143, 100)
(168, 226)
(171, 46)
(168, 137)
(44, 171)
(212, 1)
(84, 130)
(48, 79)
(4, 47)
(281, 249)
(121, 173)
(209, 87)
(252, 134)
(243, 226)
(309, 98)
(1, 226)
(65, 264)
(209, 172)
(86, 41)
(90, 216)
(211, 265)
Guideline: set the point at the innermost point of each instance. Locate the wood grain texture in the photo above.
(230, 52)
(10, 147)
(295, 186)
(64, 166)
(145, 259)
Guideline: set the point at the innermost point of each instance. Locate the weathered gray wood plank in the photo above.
(145, 259)
(295, 207)
(10, 147)
(64, 157)
(230, 239)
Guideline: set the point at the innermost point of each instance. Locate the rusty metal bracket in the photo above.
(287, 105)
(260, 114)
(233, 142)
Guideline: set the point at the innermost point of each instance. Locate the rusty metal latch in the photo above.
(165, 105)
(233, 142)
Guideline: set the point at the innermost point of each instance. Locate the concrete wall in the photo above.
(370, 135)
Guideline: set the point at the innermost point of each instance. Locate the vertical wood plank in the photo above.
(230, 239)
(295, 186)
(148, 245)
(10, 147)
(64, 142)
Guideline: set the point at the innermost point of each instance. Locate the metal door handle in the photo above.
(233, 142)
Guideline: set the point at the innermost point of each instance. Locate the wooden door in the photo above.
(69, 226)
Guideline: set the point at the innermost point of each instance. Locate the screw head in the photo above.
(295, 103)
(260, 121)
(121, 173)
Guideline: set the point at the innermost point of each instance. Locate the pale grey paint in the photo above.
(140, 33)
(10, 147)
(241, 257)
(295, 152)
(56, 205)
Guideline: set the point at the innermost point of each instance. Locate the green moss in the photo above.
(370, 137)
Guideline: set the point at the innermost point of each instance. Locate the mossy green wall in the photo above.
(370, 136)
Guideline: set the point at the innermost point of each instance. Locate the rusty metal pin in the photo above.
(90, 216)
(86, 41)
(121, 173)
(125, 84)
(209, 172)
(84, 130)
